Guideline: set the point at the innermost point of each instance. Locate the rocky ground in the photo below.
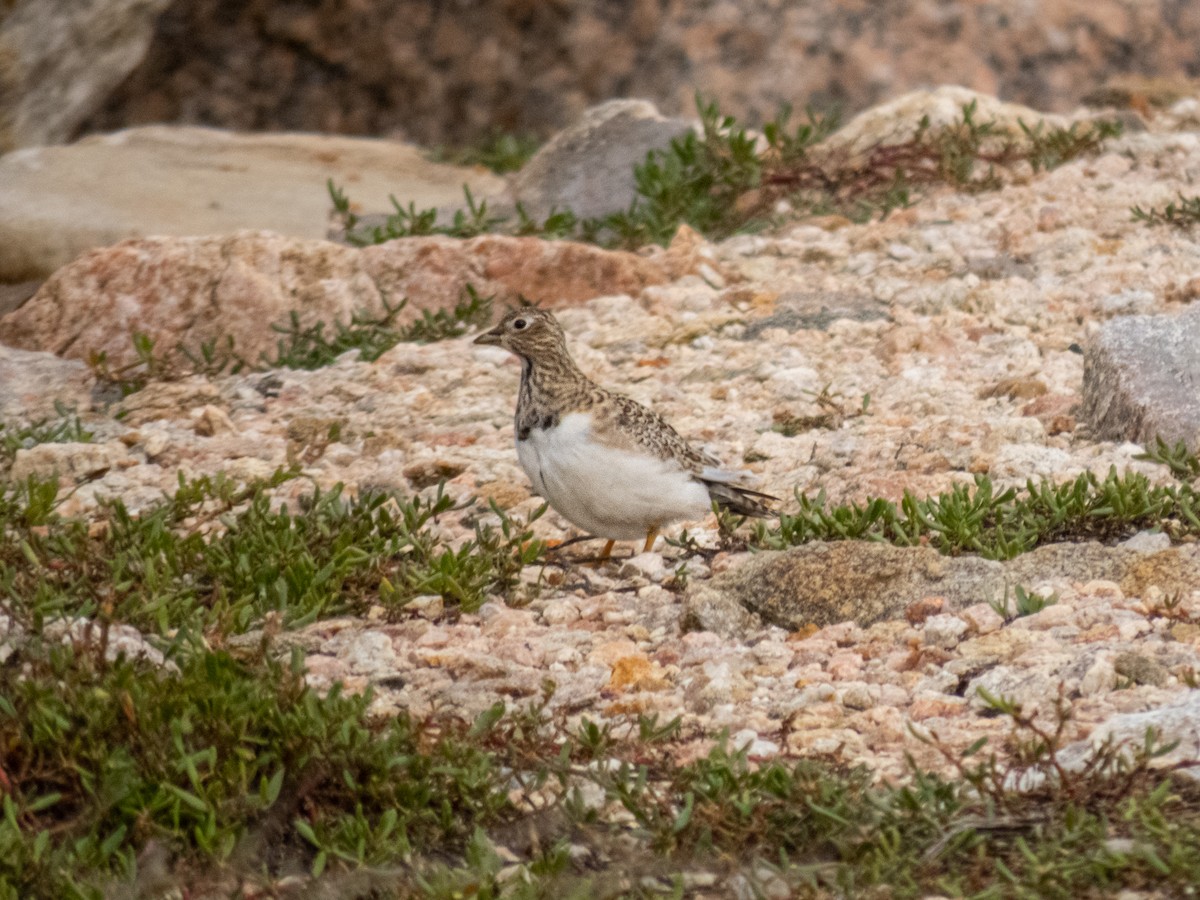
(862, 360)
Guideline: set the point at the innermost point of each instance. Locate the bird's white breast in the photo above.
(606, 491)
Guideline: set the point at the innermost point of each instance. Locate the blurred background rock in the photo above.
(454, 72)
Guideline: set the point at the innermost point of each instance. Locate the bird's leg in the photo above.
(651, 537)
(606, 552)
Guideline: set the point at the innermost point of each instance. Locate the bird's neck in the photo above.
(551, 381)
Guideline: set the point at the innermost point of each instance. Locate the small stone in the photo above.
(68, 460)
(1050, 617)
(560, 612)
(155, 442)
(211, 421)
(368, 653)
(944, 631)
(918, 612)
(857, 696)
(645, 565)
(1050, 218)
(1100, 678)
(637, 673)
(747, 739)
(982, 619)
(1140, 669)
(1147, 542)
(1186, 632)
(427, 606)
(1015, 389)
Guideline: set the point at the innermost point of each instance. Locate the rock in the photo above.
(918, 612)
(212, 420)
(648, 566)
(57, 202)
(61, 60)
(189, 290)
(1175, 571)
(943, 631)
(1141, 379)
(1015, 389)
(68, 460)
(896, 121)
(1075, 562)
(31, 382)
(367, 653)
(160, 401)
(510, 67)
(823, 584)
(982, 618)
(1140, 669)
(118, 640)
(1173, 721)
(588, 167)
(817, 310)
(13, 296)
(857, 695)
(1148, 542)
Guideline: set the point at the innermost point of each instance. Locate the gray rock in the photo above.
(1075, 562)
(31, 382)
(1141, 669)
(13, 296)
(817, 310)
(822, 584)
(62, 59)
(56, 202)
(71, 460)
(1147, 542)
(1141, 379)
(588, 168)
(1175, 721)
(184, 291)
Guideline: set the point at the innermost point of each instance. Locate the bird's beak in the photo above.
(490, 338)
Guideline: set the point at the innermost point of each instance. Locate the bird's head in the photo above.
(528, 332)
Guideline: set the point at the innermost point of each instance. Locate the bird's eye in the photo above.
(518, 324)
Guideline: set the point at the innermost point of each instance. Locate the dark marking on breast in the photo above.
(526, 423)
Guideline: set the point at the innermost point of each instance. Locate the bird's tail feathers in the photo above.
(742, 501)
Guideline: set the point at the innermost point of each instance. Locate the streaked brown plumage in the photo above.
(561, 412)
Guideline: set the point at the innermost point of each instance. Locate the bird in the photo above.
(603, 461)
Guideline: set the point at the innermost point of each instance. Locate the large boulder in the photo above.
(61, 60)
(443, 72)
(56, 202)
(192, 290)
(1141, 379)
(588, 168)
(32, 382)
(823, 584)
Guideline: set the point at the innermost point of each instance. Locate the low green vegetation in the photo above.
(502, 152)
(299, 347)
(125, 777)
(197, 755)
(726, 179)
(217, 558)
(999, 524)
(63, 427)
(1023, 603)
(311, 348)
(1181, 213)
